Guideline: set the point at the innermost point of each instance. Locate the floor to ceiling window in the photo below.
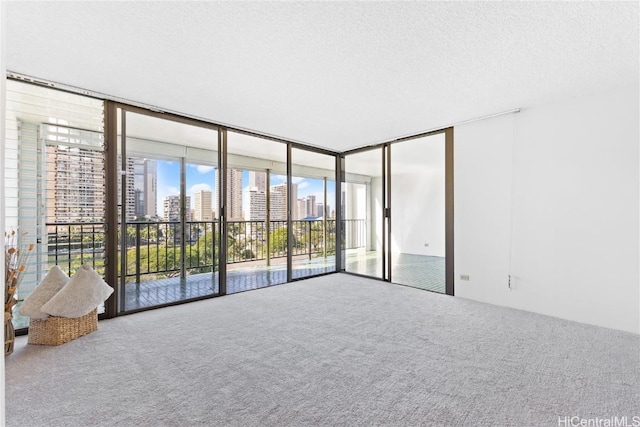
(398, 212)
(313, 213)
(417, 240)
(169, 231)
(201, 210)
(256, 212)
(363, 199)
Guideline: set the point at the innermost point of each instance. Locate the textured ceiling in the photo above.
(331, 74)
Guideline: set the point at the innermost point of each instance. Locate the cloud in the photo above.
(171, 191)
(201, 168)
(204, 169)
(303, 184)
(199, 187)
(283, 178)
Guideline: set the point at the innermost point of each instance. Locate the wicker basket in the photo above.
(59, 330)
(9, 334)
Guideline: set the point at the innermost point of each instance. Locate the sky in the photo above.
(201, 177)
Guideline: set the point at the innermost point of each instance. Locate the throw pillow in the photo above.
(85, 291)
(53, 281)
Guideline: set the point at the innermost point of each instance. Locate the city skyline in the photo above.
(203, 177)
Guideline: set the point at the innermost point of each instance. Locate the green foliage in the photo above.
(315, 236)
(160, 255)
(278, 240)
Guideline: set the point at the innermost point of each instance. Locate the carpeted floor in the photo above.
(333, 350)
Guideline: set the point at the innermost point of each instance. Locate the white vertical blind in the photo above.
(53, 172)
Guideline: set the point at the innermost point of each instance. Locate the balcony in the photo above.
(155, 252)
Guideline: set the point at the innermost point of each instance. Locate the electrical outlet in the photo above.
(464, 277)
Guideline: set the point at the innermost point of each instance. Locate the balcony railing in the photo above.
(155, 247)
(69, 245)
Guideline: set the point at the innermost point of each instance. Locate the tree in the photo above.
(278, 240)
(313, 234)
(203, 254)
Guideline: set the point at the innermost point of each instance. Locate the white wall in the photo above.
(2, 133)
(551, 196)
(418, 213)
(418, 196)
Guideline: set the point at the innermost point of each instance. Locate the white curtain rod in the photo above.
(106, 97)
(74, 89)
(440, 128)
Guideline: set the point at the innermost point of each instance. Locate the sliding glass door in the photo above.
(205, 212)
(363, 198)
(202, 230)
(256, 213)
(397, 212)
(417, 239)
(169, 234)
(170, 209)
(313, 214)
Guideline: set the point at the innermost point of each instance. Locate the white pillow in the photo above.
(53, 281)
(85, 291)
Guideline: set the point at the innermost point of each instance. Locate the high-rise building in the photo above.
(234, 193)
(139, 202)
(141, 187)
(255, 197)
(255, 204)
(202, 208)
(187, 210)
(279, 201)
(302, 208)
(144, 180)
(130, 189)
(319, 209)
(312, 209)
(258, 180)
(294, 197)
(75, 184)
(171, 208)
(151, 188)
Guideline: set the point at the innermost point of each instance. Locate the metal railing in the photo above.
(155, 247)
(71, 244)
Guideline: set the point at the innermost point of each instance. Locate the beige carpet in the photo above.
(334, 350)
